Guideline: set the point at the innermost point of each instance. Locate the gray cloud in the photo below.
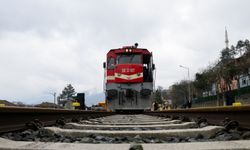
(46, 44)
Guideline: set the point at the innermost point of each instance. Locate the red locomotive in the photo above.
(129, 79)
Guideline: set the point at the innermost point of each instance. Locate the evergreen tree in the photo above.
(158, 96)
(68, 92)
(179, 93)
(243, 47)
(227, 67)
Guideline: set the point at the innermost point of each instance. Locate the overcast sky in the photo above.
(46, 44)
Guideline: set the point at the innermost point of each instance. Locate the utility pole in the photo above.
(54, 95)
(189, 82)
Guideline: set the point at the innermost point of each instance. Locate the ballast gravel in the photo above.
(43, 136)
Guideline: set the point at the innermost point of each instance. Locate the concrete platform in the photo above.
(207, 132)
(19, 145)
(108, 127)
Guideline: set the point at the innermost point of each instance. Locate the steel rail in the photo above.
(15, 118)
(214, 115)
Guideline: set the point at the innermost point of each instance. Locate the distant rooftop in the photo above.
(7, 103)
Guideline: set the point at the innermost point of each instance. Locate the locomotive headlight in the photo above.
(126, 50)
(138, 74)
(145, 92)
(112, 93)
(130, 50)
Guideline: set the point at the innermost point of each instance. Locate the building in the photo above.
(244, 81)
(69, 103)
(6, 103)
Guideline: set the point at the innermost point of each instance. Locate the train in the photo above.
(129, 79)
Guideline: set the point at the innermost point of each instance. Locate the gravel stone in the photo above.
(92, 136)
(158, 141)
(37, 139)
(135, 147)
(16, 137)
(26, 133)
(45, 133)
(158, 128)
(246, 135)
(9, 134)
(168, 139)
(67, 140)
(136, 128)
(137, 137)
(235, 136)
(124, 139)
(231, 125)
(203, 124)
(199, 136)
(224, 137)
(146, 140)
(86, 140)
(191, 140)
(99, 137)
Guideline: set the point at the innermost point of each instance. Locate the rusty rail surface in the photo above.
(15, 118)
(214, 115)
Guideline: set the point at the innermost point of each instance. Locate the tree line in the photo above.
(233, 62)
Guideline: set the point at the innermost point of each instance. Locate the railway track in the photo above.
(134, 128)
(19, 118)
(194, 127)
(214, 115)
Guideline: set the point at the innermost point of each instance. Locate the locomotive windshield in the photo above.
(111, 63)
(129, 59)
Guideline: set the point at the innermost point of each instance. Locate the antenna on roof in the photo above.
(136, 45)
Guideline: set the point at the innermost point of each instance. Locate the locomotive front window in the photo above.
(111, 63)
(129, 59)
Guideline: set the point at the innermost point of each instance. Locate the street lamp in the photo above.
(189, 88)
(54, 94)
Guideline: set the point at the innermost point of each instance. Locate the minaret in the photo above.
(226, 38)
